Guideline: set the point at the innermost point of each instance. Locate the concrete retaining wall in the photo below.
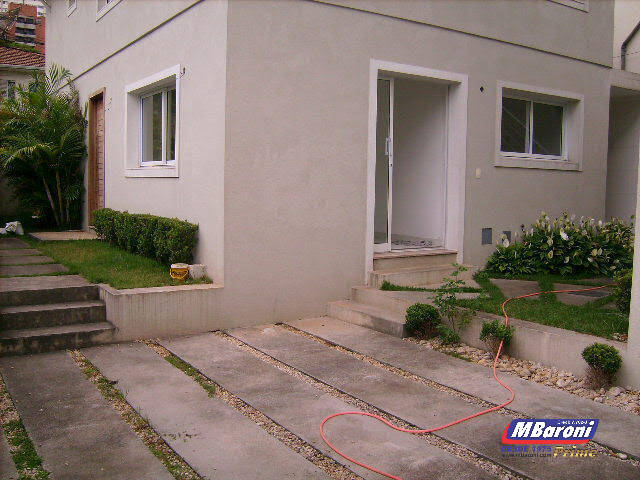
(549, 346)
(162, 311)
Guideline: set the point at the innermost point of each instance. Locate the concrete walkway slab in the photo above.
(7, 243)
(7, 467)
(515, 288)
(300, 408)
(21, 270)
(74, 429)
(579, 298)
(617, 429)
(25, 260)
(419, 405)
(19, 251)
(211, 436)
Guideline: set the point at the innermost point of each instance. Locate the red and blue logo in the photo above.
(550, 431)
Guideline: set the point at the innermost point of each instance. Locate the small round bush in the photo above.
(604, 362)
(422, 319)
(603, 357)
(494, 332)
(622, 291)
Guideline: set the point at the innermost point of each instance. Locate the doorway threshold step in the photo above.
(375, 318)
(417, 276)
(425, 257)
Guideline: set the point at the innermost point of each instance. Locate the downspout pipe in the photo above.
(625, 44)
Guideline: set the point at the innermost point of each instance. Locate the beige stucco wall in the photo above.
(626, 17)
(623, 155)
(276, 174)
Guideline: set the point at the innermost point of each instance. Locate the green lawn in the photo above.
(591, 318)
(100, 262)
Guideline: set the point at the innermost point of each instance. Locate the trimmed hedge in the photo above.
(622, 291)
(168, 240)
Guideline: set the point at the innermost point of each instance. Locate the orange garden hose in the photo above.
(441, 427)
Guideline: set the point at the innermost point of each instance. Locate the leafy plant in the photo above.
(447, 335)
(455, 317)
(168, 240)
(422, 319)
(494, 332)
(42, 146)
(566, 246)
(622, 290)
(604, 362)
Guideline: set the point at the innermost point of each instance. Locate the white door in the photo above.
(384, 166)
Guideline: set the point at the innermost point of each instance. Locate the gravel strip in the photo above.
(332, 468)
(432, 439)
(175, 464)
(625, 399)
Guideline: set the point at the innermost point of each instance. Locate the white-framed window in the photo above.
(152, 125)
(104, 6)
(538, 128)
(158, 127)
(530, 128)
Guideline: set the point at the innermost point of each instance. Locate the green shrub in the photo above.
(603, 357)
(622, 291)
(566, 246)
(494, 332)
(422, 319)
(447, 335)
(168, 240)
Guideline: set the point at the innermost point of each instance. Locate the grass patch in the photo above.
(590, 318)
(100, 262)
(388, 286)
(154, 442)
(23, 452)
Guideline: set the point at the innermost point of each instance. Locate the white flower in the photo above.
(594, 252)
(564, 235)
(590, 259)
(505, 242)
(599, 251)
(550, 254)
(566, 259)
(599, 223)
(550, 241)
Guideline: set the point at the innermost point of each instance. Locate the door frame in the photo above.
(92, 170)
(455, 151)
(385, 247)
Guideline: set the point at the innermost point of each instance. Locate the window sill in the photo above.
(527, 162)
(106, 9)
(152, 172)
(578, 5)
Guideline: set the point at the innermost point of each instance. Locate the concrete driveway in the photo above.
(266, 390)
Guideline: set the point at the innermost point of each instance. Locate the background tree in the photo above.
(42, 147)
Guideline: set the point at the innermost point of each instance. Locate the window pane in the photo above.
(152, 128)
(515, 125)
(171, 124)
(547, 129)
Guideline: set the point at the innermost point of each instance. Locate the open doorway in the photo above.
(411, 151)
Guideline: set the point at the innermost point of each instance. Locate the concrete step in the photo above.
(416, 276)
(397, 302)
(25, 260)
(52, 314)
(16, 291)
(375, 318)
(18, 251)
(413, 258)
(25, 270)
(48, 339)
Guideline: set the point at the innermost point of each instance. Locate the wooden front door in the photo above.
(96, 154)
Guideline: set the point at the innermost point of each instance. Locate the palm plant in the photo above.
(42, 146)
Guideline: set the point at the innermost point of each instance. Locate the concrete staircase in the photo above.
(46, 313)
(384, 311)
